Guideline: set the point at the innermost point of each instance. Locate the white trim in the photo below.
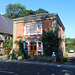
(34, 34)
(42, 48)
(32, 24)
(37, 48)
(37, 41)
(28, 47)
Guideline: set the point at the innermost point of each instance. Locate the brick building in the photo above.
(30, 29)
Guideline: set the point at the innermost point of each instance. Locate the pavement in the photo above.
(21, 68)
(40, 63)
(71, 59)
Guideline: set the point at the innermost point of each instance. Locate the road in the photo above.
(71, 59)
(12, 68)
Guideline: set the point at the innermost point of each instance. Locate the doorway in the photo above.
(33, 48)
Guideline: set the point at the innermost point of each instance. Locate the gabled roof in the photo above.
(6, 25)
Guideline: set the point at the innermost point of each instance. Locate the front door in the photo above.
(33, 48)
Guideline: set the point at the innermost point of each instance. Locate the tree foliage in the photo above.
(69, 43)
(50, 42)
(7, 43)
(15, 10)
(30, 12)
(39, 11)
(21, 51)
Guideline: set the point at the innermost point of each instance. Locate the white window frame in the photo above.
(30, 24)
(37, 41)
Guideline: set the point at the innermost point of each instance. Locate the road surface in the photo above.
(12, 68)
(71, 59)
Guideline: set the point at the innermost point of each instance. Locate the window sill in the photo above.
(33, 34)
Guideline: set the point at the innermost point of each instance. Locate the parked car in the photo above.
(71, 51)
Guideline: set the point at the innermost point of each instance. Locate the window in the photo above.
(39, 46)
(39, 28)
(26, 46)
(31, 47)
(33, 29)
(58, 32)
(27, 28)
(39, 53)
(0, 44)
(8, 37)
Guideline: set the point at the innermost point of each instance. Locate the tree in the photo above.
(50, 41)
(29, 12)
(39, 11)
(69, 43)
(15, 11)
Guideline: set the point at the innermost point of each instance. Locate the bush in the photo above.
(21, 51)
(51, 42)
(1, 54)
(14, 55)
(65, 58)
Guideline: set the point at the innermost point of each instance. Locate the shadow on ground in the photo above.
(71, 59)
(7, 68)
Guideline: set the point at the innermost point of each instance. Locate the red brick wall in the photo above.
(47, 24)
(62, 44)
(20, 29)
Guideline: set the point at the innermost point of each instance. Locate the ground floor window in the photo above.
(39, 53)
(26, 46)
(39, 46)
(35, 47)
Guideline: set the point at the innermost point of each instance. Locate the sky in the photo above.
(64, 8)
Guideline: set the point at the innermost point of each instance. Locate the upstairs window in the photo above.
(39, 28)
(33, 29)
(27, 28)
(58, 32)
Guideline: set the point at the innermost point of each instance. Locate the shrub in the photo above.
(50, 41)
(21, 51)
(1, 54)
(14, 55)
(65, 58)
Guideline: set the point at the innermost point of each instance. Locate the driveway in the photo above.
(71, 59)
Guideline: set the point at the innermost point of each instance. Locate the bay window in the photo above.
(33, 28)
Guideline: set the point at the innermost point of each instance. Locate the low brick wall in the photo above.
(43, 58)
